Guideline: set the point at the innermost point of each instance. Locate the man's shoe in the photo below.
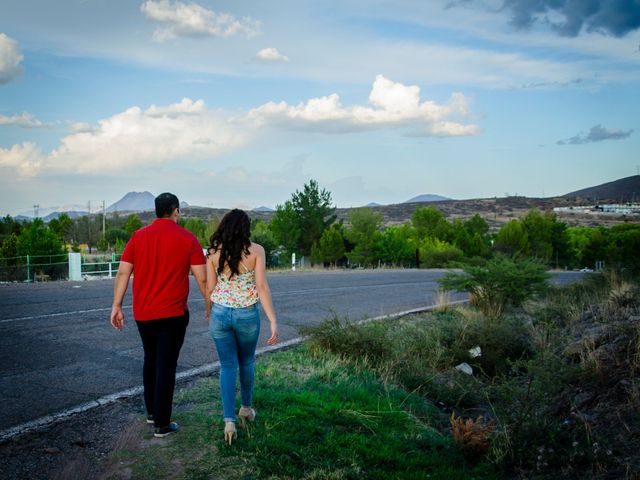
(150, 419)
(168, 430)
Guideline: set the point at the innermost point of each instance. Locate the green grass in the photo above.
(318, 418)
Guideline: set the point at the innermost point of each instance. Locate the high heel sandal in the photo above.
(246, 414)
(230, 433)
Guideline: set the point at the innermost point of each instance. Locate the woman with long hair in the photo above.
(236, 281)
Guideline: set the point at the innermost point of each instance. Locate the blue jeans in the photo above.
(235, 332)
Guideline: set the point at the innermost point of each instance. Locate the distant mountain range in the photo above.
(623, 190)
(426, 197)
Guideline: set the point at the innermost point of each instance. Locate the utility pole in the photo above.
(36, 209)
(103, 221)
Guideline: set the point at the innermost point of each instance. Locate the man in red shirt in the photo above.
(160, 256)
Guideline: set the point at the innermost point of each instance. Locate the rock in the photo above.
(465, 368)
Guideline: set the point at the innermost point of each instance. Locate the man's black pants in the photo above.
(162, 340)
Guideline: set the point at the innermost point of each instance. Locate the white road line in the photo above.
(198, 300)
(59, 314)
(48, 420)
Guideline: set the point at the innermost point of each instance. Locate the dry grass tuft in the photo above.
(472, 436)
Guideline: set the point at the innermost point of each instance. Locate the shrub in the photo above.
(502, 282)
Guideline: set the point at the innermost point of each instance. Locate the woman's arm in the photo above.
(212, 281)
(264, 293)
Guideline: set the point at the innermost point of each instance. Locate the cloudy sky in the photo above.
(239, 103)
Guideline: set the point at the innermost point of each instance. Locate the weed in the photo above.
(472, 436)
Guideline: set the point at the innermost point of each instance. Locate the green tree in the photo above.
(62, 226)
(132, 224)
(364, 234)
(262, 235)
(300, 222)
(113, 234)
(102, 245)
(8, 226)
(38, 239)
(472, 236)
(397, 245)
(285, 227)
(431, 222)
(198, 228)
(624, 247)
(9, 246)
(512, 239)
(539, 228)
(331, 246)
(210, 229)
(435, 253)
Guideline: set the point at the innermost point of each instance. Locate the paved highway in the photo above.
(58, 350)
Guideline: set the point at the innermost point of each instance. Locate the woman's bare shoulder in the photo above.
(256, 249)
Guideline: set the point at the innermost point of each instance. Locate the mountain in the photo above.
(623, 190)
(71, 213)
(262, 209)
(427, 197)
(134, 202)
(45, 212)
(373, 204)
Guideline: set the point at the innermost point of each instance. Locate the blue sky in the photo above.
(239, 103)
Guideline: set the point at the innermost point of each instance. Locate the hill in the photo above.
(134, 202)
(426, 197)
(622, 190)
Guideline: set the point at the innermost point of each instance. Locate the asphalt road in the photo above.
(58, 350)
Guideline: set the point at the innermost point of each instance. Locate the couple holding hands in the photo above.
(231, 278)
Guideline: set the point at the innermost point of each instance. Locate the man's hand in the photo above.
(117, 317)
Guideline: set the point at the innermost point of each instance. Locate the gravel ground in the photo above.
(77, 447)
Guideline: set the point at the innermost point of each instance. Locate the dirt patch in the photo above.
(79, 447)
(75, 447)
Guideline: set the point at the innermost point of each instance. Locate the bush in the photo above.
(501, 283)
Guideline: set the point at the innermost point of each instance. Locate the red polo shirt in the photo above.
(161, 254)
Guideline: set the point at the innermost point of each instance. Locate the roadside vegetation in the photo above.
(306, 225)
(527, 381)
(319, 417)
(550, 387)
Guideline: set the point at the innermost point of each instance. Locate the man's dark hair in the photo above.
(165, 203)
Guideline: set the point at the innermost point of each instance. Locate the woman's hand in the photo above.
(273, 339)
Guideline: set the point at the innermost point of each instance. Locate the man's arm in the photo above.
(200, 274)
(120, 287)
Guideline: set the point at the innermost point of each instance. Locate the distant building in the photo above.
(612, 209)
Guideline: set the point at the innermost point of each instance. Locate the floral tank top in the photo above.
(237, 291)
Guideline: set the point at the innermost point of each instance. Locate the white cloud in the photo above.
(392, 105)
(271, 55)
(25, 120)
(78, 127)
(10, 58)
(185, 107)
(193, 20)
(25, 159)
(133, 139)
(138, 139)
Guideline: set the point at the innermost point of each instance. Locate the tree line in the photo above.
(307, 225)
